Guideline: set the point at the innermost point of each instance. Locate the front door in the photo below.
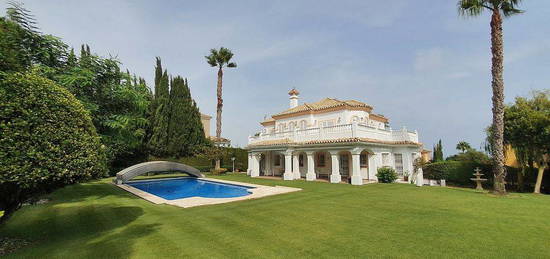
(344, 165)
(262, 165)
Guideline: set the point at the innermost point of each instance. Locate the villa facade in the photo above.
(332, 139)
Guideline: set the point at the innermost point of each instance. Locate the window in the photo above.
(321, 160)
(301, 160)
(385, 159)
(277, 161)
(364, 160)
(398, 163)
(327, 123)
(291, 126)
(303, 124)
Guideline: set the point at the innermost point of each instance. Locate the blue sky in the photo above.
(417, 62)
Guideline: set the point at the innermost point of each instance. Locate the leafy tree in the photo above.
(117, 101)
(498, 8)
(22, 45)
(527, 129)
(463, 146)
(48, 140)
(220, 58)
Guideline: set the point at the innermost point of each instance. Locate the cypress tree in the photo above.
(195, 130)
(178, 118)
(161, 117)
(438, 152)
(186, 132)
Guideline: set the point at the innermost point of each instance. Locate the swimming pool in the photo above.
(179, 188)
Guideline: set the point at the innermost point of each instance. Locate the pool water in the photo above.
(172, 189)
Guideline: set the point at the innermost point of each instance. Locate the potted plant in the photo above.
(406, 176)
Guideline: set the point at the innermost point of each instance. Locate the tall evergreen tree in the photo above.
(438, 152)
(161, 117)
(185, 130)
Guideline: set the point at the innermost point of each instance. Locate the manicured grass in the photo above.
(98, 220)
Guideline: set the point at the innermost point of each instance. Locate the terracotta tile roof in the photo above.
(326, 103)
(268, 121)
(281, 142)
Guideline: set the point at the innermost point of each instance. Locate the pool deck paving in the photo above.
(258, 191)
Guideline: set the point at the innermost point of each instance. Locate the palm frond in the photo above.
(232, 64)
(472, 7)
(509, 7)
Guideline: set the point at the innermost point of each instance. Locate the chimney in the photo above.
(293, 97)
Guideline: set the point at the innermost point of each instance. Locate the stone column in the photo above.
(255, 165)
(310, 176)
(296, 166)
(249, 169)
(373, 166)
(356, 178)
(267, 166)
(335, 176)
(288, 175)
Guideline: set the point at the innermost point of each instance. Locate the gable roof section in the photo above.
(326, 104)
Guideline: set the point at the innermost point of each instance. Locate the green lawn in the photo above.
(98, 220)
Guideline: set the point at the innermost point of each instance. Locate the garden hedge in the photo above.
(455, 172)
(47, 141)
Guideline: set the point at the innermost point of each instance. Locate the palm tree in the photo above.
(498, 8)
(463, 146)
(220, 58)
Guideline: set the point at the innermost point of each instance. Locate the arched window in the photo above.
(303, 124)
(291, 126)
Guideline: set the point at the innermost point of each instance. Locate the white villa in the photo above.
(331, 139)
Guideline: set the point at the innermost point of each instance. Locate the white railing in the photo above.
(337, 132)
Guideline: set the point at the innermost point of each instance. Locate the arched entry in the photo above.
(344, 158)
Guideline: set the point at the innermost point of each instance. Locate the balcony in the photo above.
(343, 131)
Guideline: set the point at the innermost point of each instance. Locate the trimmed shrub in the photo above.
(47, 141)
(386, 175)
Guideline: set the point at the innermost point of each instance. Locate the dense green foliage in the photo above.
(204, 160)
(160, 117)
(48, 139)
(527, 130)
(438, 152)
(185, 129)
(386, 175)
(458, 169)
(177, 129)
(117, 102)
(97, 220)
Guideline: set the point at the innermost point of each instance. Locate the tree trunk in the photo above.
(498, 102)
(219, 112)
(521, 179)
(539, 178)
